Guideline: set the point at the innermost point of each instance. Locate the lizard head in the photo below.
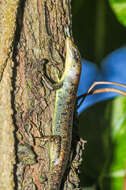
(73, 59)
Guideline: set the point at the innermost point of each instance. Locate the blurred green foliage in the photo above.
(76, 5)
(119, 7)
(115, 164)
(98, 29)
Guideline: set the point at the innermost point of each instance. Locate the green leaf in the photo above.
(119, 7)
(114, 171)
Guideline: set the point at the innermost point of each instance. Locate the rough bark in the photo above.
(42, 27)
(7, 152)
(8, 10)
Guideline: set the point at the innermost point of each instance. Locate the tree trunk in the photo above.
(42, 27)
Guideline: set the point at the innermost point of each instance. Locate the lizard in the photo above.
(66, 90)
(63, 116)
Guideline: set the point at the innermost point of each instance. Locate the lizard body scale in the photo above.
(63, 115)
